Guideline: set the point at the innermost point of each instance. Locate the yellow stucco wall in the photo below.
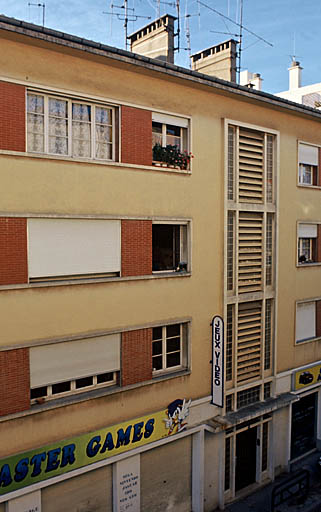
(43, 185)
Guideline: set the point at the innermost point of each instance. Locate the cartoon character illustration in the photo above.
(177, 411)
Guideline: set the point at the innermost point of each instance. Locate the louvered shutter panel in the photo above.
(250, 252)
(249, 336)
(251, 165)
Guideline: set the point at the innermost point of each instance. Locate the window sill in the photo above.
(315, 187)
(164, 165)
(312, 264)
(309, 340)
(48, 284)
(90, 395)
(106, 163)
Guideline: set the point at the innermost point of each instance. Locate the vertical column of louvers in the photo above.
(249, 335)
(250, 252)
(251, 166)
(250, 233)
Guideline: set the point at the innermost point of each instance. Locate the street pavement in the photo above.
(260, 501)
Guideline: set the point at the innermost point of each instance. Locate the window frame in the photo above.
(70, 101)
(183, 123)
(314, 169)
(104, 360)
(187, 249)
(315, 337)
(73, 389)
(314, 243)
(183, 350)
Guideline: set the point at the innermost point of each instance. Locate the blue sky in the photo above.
(292, 26)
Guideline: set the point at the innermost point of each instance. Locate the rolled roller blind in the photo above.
(308, 154)
(172, 120)
(60, 247)
(305, 321)
(71, 360)
(308, 231)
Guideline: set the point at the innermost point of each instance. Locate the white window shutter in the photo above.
(173, 120)
(308, 231)
(308, 154)
(71, 360)
(305, 321)
(63, 247)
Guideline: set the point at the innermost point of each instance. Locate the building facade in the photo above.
(117, 250)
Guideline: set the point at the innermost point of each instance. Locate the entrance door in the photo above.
(303, 433)
(245, 471)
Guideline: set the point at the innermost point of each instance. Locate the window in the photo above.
(170, 251)
(309, 165)
(309, 243)
(73, 248)
(73, 366)
(170, 140)
(248, 396)
(60, 126)
(169, 348)
(308, 320)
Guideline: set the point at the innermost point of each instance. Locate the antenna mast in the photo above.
(238, 68)
(126, 17)
(43, 10)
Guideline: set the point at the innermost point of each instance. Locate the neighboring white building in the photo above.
(309, 95)
(253, 80)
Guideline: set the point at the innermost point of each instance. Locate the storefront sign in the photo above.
(306, 377)
(218, 361)
(126, 485)
(56, 459)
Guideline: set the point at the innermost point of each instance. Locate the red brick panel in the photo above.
(14, 381)
(12, 117)
(136, 136)
(318, 318)
(136, 247)
(136, 364)
(319, 243)
(13, 251)
(319, 170)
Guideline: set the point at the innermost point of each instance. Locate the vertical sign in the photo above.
(126, 485)
(218, 361)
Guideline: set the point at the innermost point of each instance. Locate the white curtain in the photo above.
(103, 133)
(58, 126)
(81, 130)
(35, 123)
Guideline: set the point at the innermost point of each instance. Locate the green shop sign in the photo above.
(34, 466)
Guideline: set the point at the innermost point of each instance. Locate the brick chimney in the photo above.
(218, 60)
(155, 40)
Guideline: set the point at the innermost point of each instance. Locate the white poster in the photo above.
(28, 503)
(218, 361)
(126, 485)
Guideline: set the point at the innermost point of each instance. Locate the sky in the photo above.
(291, 26)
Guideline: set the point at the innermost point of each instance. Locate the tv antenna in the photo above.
(174, 4)
(241, 29)
(188, 35)
(125, 14)
(159, 2)
(43, 10)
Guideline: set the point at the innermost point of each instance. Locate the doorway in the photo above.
(245, 470)
(303, 428)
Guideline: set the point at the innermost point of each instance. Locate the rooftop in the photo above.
(78, 43)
